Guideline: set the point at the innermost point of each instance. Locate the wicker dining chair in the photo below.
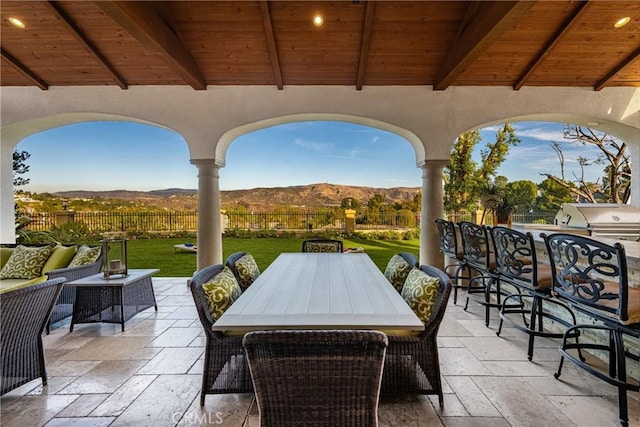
(412, 363)
(225, 364)
(322, 245)
(318, 377)
(244, 267)
(592, 276)
(24, 315)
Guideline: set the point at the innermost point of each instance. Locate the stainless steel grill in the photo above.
(610, 220)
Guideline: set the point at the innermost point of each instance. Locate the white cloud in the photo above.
(542, 134)
(311, 145)
(375, 139)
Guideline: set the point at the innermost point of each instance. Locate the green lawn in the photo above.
(158, 253)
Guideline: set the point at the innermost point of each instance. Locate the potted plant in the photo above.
(496, 199)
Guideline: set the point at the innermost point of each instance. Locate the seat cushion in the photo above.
(85, 255)
(26, 262)
(420, 291)
(248, 271)
(221, 291)
(59, 258)
(397, 271)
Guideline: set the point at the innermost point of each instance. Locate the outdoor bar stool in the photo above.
(450, 246)
(517, 265)
(477, 254)
(592, 277)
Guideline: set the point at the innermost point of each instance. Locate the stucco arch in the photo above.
(228, 137)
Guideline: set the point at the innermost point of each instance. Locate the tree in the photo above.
(615, 157)
(464, 178)
(20, 167)
(552, 196)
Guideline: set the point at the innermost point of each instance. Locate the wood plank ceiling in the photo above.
(361, 43)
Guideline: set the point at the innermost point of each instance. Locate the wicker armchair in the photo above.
(412, 364)
(23, 317)
(225, 364)
(322, 245)
(316, 378)
(64, 305)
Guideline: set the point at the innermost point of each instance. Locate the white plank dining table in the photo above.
(320, 291)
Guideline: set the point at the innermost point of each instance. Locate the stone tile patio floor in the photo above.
(151, 373)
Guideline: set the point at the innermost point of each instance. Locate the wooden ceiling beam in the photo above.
(144, 21)
(615, 70)
(367, 31)
(84, 40)
(489, 20)
(22, 69)
(568, 23)
(271, 43)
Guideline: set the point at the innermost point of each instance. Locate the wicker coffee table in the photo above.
(113, 300)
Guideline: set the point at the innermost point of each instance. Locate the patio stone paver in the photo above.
(151, 375)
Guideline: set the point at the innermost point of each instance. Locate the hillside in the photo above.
(313, 195)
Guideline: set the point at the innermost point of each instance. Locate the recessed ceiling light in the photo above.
(593, 123)
(16, 22)
(318, 20)
(622, 22)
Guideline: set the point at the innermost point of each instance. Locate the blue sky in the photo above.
(119, 155)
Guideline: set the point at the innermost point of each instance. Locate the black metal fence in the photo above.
(328, 220)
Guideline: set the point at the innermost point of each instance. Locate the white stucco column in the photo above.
(7, 226)
(209, 223)
(432, 208)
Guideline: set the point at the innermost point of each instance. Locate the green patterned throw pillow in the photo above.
(60, 257)
(248, 271)
(85, 255)
(322, 247)
(396, 271)
(420, 291)
(25, 262)
(221, 291)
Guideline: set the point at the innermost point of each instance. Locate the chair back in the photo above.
(475, 246)
(318, 378)
(199, 298)
(244, 267)
(322, 245)
(398, 269)
(515, 256)
(448, 239)
(23, 317)
(442, 298)
(592, 275)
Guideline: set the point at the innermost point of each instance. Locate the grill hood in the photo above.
(615, 221)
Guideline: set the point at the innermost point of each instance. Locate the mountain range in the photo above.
(312, 195)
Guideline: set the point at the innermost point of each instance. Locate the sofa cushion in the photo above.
(221, 291)
(420, 291)
(59, 258)
(396, 271)
(5, 253)
(26, 262)
(85, 255)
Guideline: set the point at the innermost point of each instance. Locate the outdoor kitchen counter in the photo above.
(632, 249)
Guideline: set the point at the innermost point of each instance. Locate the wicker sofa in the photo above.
(64, 305)
(24, 315)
